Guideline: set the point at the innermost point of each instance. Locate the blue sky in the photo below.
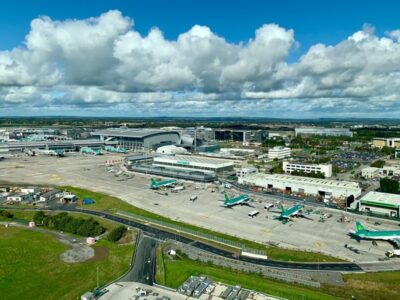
(312, 22)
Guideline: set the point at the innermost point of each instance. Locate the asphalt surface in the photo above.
(160, 234)
(144, 263)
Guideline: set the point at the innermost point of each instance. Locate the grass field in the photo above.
(106, 202)
(368, 286)
(30, 267)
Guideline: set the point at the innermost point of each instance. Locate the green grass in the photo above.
(368, 286)
(30, 267)
(177, 271)
(109, 203)
(160, 269)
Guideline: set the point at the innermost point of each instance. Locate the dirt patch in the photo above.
(78, 253)
(127, 238)
(100, 253)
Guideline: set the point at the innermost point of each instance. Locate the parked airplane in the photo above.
(293, 211)
(241, 199)
(156, 184)
(116, 150)
(385, 235)
(88, 150)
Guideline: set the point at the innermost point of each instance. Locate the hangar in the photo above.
(305, 185)
(139, 139)
(380, 203)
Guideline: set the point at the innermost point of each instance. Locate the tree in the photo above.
(39, 217)
(389, 185)
(117, 233)
(378, 164)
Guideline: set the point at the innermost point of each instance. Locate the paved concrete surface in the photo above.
(89, 172)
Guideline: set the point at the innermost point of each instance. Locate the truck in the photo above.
(393, 253)
(253, 213)
(193, 198)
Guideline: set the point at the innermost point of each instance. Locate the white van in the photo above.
(193, 198)
(253, 213)
(268, 206)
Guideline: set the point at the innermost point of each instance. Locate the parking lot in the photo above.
(325, 235)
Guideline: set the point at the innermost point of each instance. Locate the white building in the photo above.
(279, 152)
(389, 171)
(303, 185)
(193, 163)
(325, 169)
(19, 197)
(246, 171)
(380, 203)
(370, 172)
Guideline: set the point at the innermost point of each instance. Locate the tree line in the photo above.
(64, 222)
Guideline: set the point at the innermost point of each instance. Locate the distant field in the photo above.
(30, 267)
(109, 203)
(370, 286)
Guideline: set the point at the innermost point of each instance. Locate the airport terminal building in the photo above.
(139, 139)
(324, 188)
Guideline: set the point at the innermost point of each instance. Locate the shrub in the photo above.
(117, 233)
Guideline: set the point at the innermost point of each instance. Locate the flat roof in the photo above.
(306, 180)
(194, 160)
(381, 199)
(130, 132)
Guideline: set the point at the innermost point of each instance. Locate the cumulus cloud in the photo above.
(104, 62)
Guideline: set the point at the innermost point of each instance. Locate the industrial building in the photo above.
(323, 131)
(139, 139)
(279, 152)
(246, 171)
(324, 188)
(388, 142)
(380, 203)
(386, 171)
(289, 167)
(370, 172)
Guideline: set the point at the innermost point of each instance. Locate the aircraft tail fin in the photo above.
(226, 198)
(282, 208)
(359, 226)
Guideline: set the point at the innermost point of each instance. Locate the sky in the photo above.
(282, 59)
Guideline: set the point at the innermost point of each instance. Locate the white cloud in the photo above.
(103, 61)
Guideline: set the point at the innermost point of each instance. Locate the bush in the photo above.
(389, 185)
(378, 164)
(67, 223)
(6, 214)
(117, 233)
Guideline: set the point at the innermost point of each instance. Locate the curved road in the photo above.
(164, 235)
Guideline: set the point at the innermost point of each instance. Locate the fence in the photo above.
(200, 234)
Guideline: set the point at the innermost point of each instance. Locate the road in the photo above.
(160, 234)
(144, 262)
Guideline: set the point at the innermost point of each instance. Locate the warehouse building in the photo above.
(323, 131)
(324, 188)
(326, 169)
(380, 203)
(139, 139)
(279, 152)
(370, 172)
